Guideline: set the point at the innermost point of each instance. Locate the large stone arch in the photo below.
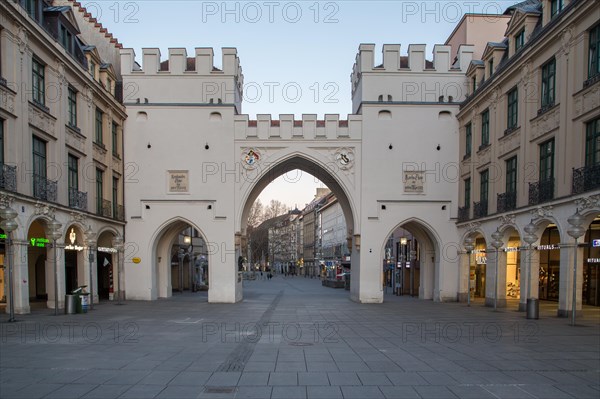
(314, 163)
(160, 247)
(261, 178)
(431, 250)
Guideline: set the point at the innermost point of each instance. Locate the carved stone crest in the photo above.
(591, 202)
(507, 220)
(344, 158)
(78, 217)
(6, 200)
(541, 212)
(250, 158)
(44, 210)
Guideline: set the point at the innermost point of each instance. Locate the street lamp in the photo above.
(9, 225)
(575, 231)
(120, 247)
(54, 232)
(403, 242)
(496, 243)
(181, 257)
(90, 242)
(532, 303)
(469, 244)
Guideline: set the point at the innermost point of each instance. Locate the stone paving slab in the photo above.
(294, 338)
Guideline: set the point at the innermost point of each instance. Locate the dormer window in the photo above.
(519, 40)
(31, 7)
(66, 39)
(594, 52)
(93, 69)
(556, 7)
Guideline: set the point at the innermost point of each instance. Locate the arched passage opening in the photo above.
(74, 263)
(106, 266)
(41, 278)
(181, 257)
(320, 233)
(512, 270)
(409, 257)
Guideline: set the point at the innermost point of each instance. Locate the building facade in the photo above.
(61, 131)
(333, 242)
(495, 138)
(529, 156)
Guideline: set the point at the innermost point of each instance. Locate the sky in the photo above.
(296, 56)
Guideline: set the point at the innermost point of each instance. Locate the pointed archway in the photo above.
(329, 174)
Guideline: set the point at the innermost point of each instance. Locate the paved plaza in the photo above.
(294, 338)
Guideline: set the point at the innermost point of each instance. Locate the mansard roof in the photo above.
(67, 16)
(527, 6)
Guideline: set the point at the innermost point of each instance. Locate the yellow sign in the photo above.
(136, 260)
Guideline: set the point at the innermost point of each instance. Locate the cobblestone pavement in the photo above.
(293, 338)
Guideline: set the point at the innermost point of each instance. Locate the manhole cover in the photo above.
(219, 389)
(300, 344)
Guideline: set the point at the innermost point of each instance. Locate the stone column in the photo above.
(463, 281)
(565, 295)
(20, 271)
(60, 268)
(494, 261)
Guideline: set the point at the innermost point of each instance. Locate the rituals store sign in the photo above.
(414, 182)
(178, 181)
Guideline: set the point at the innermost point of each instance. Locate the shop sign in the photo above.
(107, 250)
(73, 246)
(547, 247)
(39, 242)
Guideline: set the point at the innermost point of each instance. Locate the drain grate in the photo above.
(219, 390)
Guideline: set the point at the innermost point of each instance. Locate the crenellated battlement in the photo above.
(415, 61)
(264, 127)
(183, 79)
(178, 62)
(411, 77)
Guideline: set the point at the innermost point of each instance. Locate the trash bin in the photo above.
(533, 308)
(85, 301)
(70, 304)
(79, 295)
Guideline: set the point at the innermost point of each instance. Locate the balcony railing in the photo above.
(8, 178)
(541, 191)
(44, 189)
(506, 201)
(77, 199)
(480, 209)
(463, 214)
(586, 179)
(106, 208)
(591, 81)
(119, 212)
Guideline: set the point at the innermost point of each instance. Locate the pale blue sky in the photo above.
(304, 50)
